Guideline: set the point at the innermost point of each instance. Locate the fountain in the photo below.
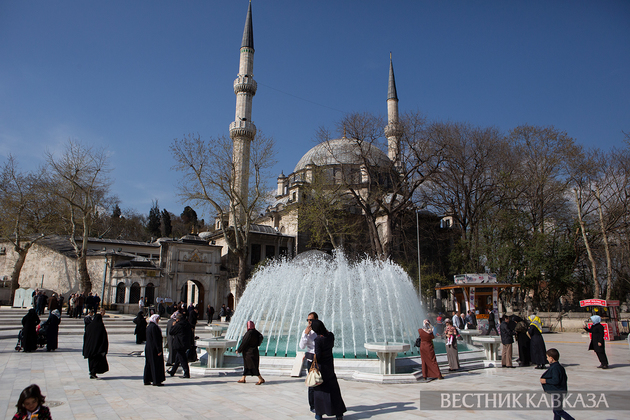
(368, 301)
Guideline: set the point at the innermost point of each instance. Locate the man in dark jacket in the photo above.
(182, 341)
(506, 342)
(554, 381)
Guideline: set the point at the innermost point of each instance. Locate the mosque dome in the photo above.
(342, 151)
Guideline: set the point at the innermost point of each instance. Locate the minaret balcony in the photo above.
(393, 130)
(245, 84)
(242, 129)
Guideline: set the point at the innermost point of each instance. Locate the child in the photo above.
(554, 381)
(30, 405)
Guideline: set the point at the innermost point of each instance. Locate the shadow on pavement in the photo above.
(367, 411)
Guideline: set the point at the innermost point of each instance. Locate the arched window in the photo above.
(150, 293)
(134, 293)
(120, 293)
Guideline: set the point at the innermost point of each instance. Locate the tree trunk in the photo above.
(84, 275)
(17, 268)
(242, 275)
(606, 247)
(598, 292)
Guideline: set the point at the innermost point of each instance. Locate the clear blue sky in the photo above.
(134, 75)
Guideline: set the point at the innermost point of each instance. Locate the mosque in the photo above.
(278, 231)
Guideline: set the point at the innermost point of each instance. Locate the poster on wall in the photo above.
(472, 299)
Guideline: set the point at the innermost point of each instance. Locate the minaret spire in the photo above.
(242, 130)
(392, 130)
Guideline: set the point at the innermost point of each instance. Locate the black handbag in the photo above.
(418, 342)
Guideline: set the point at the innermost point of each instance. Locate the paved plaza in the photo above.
(120, 393)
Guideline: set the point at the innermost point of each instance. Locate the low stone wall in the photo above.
(572, 321)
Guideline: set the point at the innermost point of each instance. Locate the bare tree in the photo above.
(466, 184)
(382, 189)
(208, 180)
(80, 180)
(28, 212)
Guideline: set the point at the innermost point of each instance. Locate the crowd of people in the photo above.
(324, 398)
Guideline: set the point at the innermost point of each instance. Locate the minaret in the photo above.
(242, 130)
(392, 130)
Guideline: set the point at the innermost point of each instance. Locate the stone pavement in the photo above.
(120, 393)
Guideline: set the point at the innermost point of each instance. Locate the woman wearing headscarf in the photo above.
(537, 349)
(52, 333)
(154, 354)
(29, 332)
(249, 348)
(523, 340)
(95, 346)
(430, 369)
(141, 328)
(597, 341)
(450, 333)
(327, 396)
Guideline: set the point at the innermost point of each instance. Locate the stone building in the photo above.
(121, 272)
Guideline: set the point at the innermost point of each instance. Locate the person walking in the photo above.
(307, 343)
(141, 328)
(507, 340)
(96, 345)
(169, 339)
(598, 344)
(249, 349)
(30, 321)
(52, 332)
(537, 349)
(154, 354)
(327, 396)
(209, 313)
(492, 324)
(450, 333)
(430, 368)
(182, 341)
(554, 381)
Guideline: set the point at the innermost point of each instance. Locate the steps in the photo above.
(11, 323)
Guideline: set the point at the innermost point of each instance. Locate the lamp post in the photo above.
(418, 240)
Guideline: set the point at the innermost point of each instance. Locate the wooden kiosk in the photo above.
(476, 292)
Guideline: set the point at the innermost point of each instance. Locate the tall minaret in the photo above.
(392, 130)
(242, 130)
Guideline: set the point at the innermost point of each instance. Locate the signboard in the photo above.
(475, 278)
(598, 302)
(606, 332)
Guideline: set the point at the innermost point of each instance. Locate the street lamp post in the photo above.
(418, 240)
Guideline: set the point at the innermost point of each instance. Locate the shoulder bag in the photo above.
(314, 377)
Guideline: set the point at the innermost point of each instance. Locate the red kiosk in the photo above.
(607, 310)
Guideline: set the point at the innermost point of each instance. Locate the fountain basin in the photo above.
(387, 353)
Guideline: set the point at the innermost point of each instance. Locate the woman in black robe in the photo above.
(598, 343)
(169, 340)
(537, 348)
(29, 332)
(141, 328)
(154, 354)
(523, 341)
(327, 396)
(95, 346)
(52, 333)
(249, 348)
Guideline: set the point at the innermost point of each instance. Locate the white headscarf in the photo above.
(596, 319)
(154, 318)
